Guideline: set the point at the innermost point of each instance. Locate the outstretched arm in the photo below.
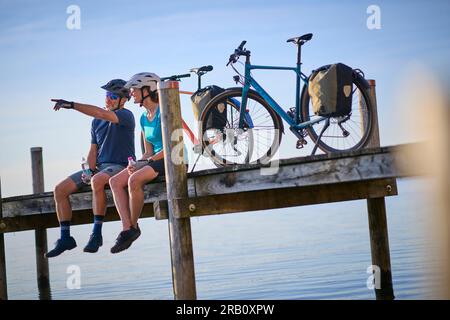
(87, 109)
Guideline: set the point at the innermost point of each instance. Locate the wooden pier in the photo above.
(364, 174)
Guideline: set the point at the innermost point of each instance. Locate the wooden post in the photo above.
(3, 282)
(43, 280)
(374, 140)
(183, 274)
(379, 240)
(379, 244)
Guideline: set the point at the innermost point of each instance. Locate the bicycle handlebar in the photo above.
(176, 77)
(240, 51)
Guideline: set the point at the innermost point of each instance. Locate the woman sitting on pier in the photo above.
(129, 203)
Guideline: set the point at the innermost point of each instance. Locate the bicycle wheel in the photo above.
(225, 143)
(344, 133)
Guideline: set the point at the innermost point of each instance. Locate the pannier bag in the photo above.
(217, 118)
(330, 88)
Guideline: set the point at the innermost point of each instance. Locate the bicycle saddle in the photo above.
(302, 39)
(202, 70)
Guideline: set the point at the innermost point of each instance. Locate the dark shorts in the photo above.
(110, 169)
(159, 167)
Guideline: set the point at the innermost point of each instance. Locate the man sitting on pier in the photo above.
(112, 142)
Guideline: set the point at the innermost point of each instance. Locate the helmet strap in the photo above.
(118, 104)
(144, 97)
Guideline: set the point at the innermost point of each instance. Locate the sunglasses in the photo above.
(111, 95)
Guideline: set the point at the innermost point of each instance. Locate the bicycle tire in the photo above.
(220, 163)
(230, 95)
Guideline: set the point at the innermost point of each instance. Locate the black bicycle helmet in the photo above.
(117, 86)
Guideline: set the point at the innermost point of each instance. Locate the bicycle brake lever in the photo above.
(232, 59)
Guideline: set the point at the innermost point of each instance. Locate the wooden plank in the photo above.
(44, 203)
(370, 164)
(158, 209)
(280, 198)
(49, 220)
(366, 167)
(42, 271)
(3, 280)
(379, 244)
(387, 157)
(300, 160)
(183, 274)
(161, 209)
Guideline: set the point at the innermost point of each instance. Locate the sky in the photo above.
(40, 59)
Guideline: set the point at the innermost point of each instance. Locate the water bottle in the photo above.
(131, 162)
(86, 171)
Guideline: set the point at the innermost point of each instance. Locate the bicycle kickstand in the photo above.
(325, 127)
(195, 163)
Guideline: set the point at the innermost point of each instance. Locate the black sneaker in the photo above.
(125, 239)
(95, 242)
(61, 246)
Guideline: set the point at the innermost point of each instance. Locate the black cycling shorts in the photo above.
(158, 166)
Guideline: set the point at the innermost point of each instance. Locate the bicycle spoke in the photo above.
(235, 145)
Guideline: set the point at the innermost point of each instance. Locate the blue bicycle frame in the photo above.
(295, 124)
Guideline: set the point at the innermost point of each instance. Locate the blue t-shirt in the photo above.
(153, 133)
(115, 141)
(152, 130)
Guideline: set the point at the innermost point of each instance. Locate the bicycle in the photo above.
(266, 115)
(190, 134)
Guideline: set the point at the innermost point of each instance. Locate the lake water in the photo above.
(311, 252)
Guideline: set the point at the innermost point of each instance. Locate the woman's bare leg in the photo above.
(118, 184)
(136, 184)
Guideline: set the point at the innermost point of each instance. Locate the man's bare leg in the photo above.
(64, 212)
(98, 183)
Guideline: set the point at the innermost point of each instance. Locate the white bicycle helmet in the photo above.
(143, 79)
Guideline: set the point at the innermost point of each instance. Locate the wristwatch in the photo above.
(150, 160)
